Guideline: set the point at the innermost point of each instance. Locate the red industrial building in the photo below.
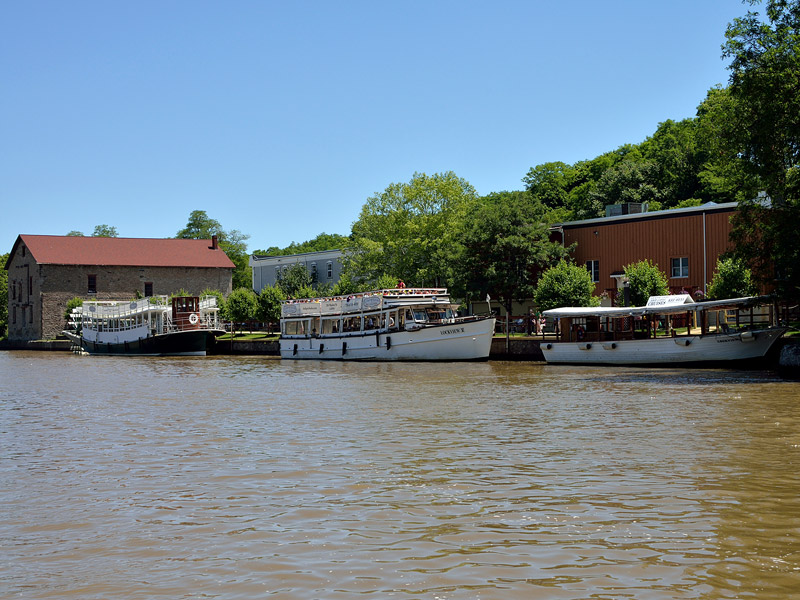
(685, 243)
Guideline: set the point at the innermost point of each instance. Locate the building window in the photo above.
(330, 269)
(277, 274)
(680, 267)
(314, 272)
(148, 289)
(92, 288)
(30, 286)
(593, 266)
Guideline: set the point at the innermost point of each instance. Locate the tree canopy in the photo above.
(732, 279)
(324, 241)
(505, 243)
(565, 284)
(645, 279)
(410, 229)
(234, 243)
(105, 231)
(762, 137)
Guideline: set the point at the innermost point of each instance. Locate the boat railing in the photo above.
(121, 310)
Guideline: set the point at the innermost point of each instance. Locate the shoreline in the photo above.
(784, 356)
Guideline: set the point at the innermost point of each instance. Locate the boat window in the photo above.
(436, 314)
(352, 324)
(330, 326)
(420, 316)
(294, 327)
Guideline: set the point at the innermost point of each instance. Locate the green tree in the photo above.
(764, 135)
(345, 286)
(234, 243)
(202, 227)
(765, 74)
(722, 176)
(565, 284)
(410, 229)
(732, 279)
(269, 305)
(105, 231)
(582, 200)
(3, 297)
(324, 241)
(549, 183)
(677, 150)
(296, 282)
(241, 306)
(629, 181)
(645, 279)
(504, 245)
(71, 304)
(74, 233)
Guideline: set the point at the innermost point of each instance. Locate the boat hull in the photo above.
(467, 340)
(177, 343)
(677, 351)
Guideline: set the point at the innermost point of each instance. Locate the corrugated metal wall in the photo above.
(661, 238)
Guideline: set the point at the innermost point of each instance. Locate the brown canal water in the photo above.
(246, 477)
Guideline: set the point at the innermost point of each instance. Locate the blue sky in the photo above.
(280, 119)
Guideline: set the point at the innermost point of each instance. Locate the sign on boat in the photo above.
(390, 324)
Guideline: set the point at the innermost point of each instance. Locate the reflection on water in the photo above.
(239, 477)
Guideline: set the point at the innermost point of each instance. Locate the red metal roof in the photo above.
(125, 252)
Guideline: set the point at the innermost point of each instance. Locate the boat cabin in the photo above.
(663, 316)
(366, 313)
(186, 312)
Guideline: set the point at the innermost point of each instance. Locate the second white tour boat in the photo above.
(383, 325)
(669, 331)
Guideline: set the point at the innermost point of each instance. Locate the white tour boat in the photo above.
(184, 326)
(396, 324)
(669, 331)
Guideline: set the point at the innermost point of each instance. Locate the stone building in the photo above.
(45, 272)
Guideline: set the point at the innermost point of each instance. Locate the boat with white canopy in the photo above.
(669, 330)
(384, 325)
(156, 326)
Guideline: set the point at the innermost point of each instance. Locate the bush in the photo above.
(269, 304)
(732, 279)
(242, 305)
(73, 303)
(565, 285)
(644, 280)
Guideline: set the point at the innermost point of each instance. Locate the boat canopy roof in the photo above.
(656, 305)
(375, 300)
